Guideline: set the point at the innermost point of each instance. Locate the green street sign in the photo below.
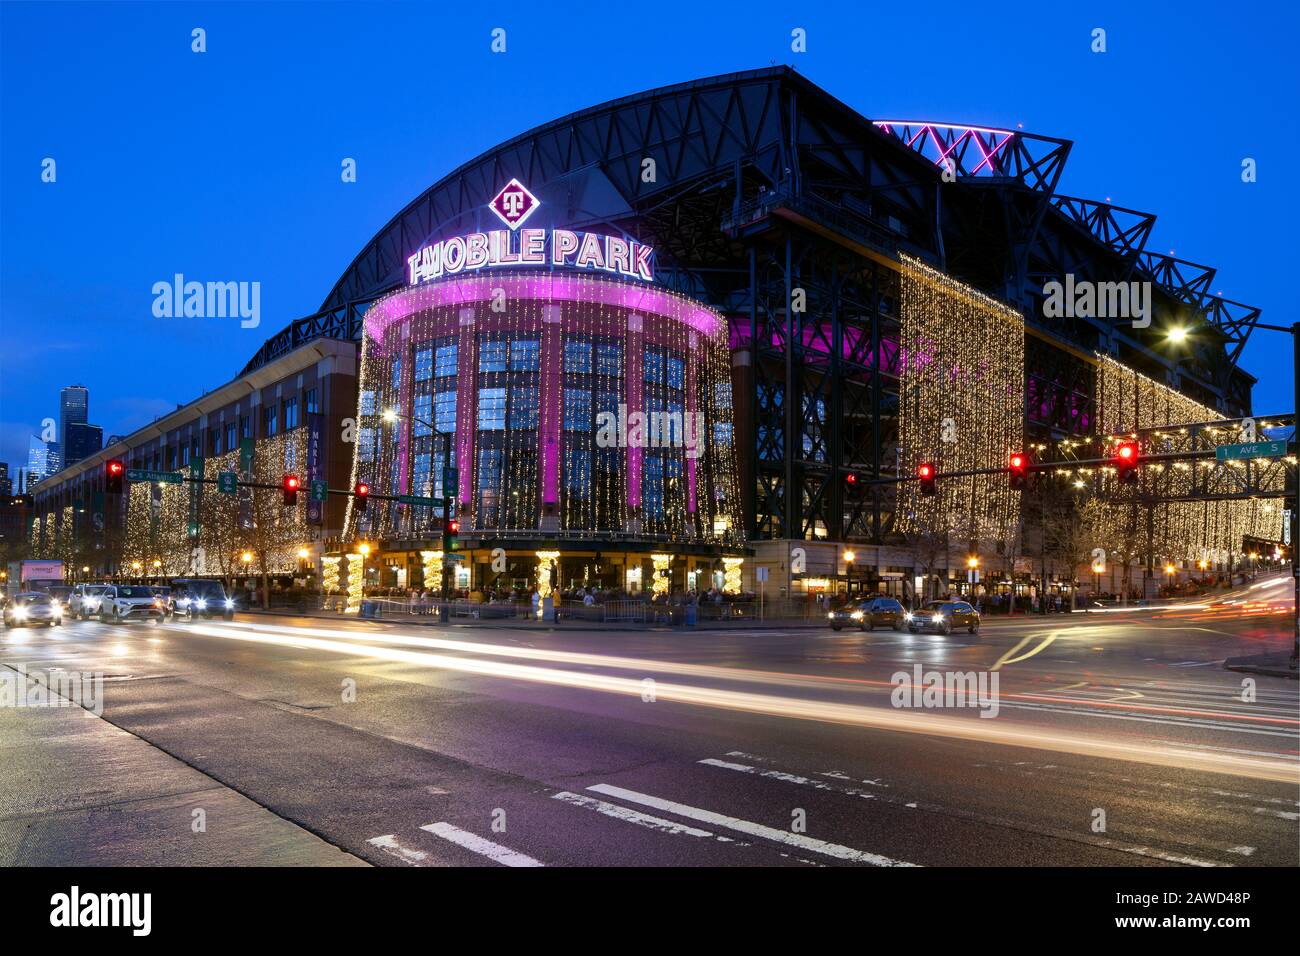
(320, 489)
(417, 500)
(1256, 449)
(196, 467)
(167, 477)
(228, 483)
(194, 529)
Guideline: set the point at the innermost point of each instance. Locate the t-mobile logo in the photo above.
(514, 204)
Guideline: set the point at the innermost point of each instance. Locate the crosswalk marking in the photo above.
(787, 778)
(476, 844)
(748, 827)
(637, 817)
(390, 845)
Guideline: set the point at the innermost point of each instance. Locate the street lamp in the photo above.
(1176, 334)
(246, 557)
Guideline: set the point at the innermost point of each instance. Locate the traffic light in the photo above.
(361, 495)
(1019, 471)
(290, 485)
(850, 479)
(925, 473)
(1127, 460)
(450, 528)
(114, 471)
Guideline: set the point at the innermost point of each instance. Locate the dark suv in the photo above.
(192, 598)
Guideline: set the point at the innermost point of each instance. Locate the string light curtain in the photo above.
(520, 366)
(1129, 401)
(963, 375)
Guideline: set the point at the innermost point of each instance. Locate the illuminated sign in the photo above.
(514, 204)
(529, 247)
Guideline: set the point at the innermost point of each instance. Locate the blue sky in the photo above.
(225, 165)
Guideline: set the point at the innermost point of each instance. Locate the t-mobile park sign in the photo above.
(529, 247)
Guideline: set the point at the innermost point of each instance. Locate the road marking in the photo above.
(833, 774)
(636, 816)
(390, 845)
(787, 778)
(748, 827)
(476, 844)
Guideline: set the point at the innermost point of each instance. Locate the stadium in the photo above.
(803, 303)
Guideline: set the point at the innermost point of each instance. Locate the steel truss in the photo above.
(766, 184)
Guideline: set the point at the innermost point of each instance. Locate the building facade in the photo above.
(882, 292)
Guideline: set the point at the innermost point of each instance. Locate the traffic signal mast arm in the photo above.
(1038, 467)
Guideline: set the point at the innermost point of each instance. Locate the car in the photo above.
(846, 615)
(61, 593)
(882, 611)
(83, 603)
(130, 602)
(33, 607)
(943, 617)
(195, 597)
(867, 615)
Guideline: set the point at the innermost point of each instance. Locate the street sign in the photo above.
(320, 489)
(762, 575)
(450, 478)
(418, 500)
(1255, 449)
(227, 482)
(167, 477)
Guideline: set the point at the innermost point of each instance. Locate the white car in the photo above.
(83, 604)
(130, 602)
(32, 608)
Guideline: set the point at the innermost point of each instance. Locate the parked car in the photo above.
(31, 608)
(130, 602)
(83, 603)
(194, 597)
(943, 617)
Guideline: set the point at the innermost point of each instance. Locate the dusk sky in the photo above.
(226, 165)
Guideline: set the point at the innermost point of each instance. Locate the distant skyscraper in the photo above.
(6, 483)
(113, 440)
(74, 407)
(83, 441)
(43, 459)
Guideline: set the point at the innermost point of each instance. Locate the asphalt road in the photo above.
(1118, 739)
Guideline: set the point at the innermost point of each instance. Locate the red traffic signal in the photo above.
(361, 495)
(850, 479)
(925, 473)
(1127, 459)
(290, 486)
(453, 526)
(114, 471)
(1019, 470)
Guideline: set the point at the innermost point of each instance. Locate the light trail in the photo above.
(909, 721)
(735, 674)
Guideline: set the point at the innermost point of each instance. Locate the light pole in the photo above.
(391, 415)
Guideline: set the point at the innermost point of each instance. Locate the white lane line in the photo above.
(748, 827)
(636, 816)
(476, 844)
(390, 845)
(787, 778)
(833, 774)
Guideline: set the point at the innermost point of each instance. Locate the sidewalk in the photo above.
(77, 791)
